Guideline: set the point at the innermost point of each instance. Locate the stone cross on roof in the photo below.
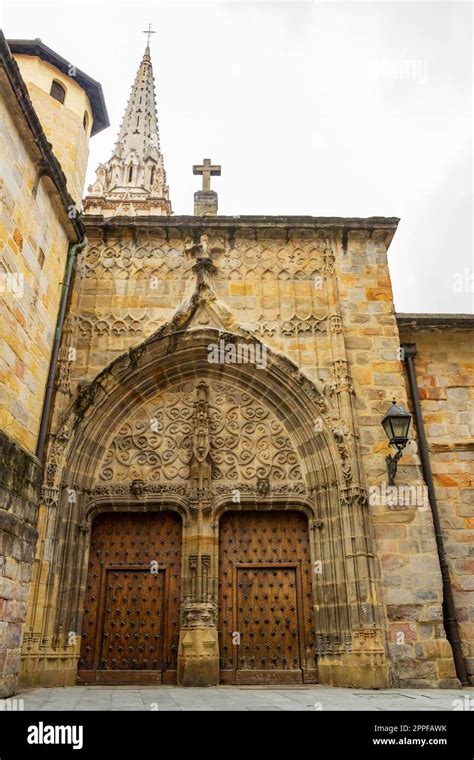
(207, 170)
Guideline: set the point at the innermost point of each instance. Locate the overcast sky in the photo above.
(327, 109)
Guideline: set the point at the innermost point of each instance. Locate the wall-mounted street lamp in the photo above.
(395, 423)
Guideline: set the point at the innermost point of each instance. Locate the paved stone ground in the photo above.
(238, 698)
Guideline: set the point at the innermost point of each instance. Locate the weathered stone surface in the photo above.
(30, 280)
(405, 611)
(444, 366)
(20, 481)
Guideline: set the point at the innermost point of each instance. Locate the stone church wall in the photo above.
(319, 293)
(410, 579)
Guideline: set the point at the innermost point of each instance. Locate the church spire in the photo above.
(133, 181)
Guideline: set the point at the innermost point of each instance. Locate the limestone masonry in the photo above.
(211, 505)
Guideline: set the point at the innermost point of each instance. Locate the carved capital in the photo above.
(200, 498)
(353, 495)
(50, 496)
(263, 486)
(199, 614)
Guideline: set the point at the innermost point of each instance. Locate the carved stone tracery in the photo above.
(184, 438)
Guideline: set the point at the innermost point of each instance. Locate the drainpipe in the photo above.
(50, 385)
(449, 610)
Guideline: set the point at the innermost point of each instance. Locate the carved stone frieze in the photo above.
(286, 259)
(138, 262)
(293, 326)
(110, 324)
(147, 489)
(251, 490)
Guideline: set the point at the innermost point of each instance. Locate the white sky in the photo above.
(320, 108)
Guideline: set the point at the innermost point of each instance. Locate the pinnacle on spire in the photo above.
(133, 181)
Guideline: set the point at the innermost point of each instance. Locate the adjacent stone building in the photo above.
(39, 222)
(443, 349)
(214, 504)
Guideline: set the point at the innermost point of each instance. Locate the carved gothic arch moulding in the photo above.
(107, 452)
(175, 364)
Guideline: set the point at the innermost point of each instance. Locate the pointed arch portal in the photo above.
(164, 430)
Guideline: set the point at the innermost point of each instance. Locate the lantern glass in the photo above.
(396, 424)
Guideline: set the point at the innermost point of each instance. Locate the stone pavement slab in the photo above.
(310, 698)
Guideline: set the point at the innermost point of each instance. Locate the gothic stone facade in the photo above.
(220, 391)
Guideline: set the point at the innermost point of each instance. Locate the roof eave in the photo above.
(91, 86)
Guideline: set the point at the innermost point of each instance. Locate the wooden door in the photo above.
(266, 629)
(131, 616)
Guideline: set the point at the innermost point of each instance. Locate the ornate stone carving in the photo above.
(86, 396)
(251, 490)
(353, 495)
(367, 639)
(110, 324)
(54, 457)
(137, 488)
(50, 496)
(200, 498)
(282, 259)
(246, 441)
(340, 434)
(333, 643)
(153, 259)
(67, 354)
(201, 444)
(329, 261)
(335, 323)
(148, 489)
(199, 607)
(342, 377)
(199, 615)
(263, 486)
(293, 326)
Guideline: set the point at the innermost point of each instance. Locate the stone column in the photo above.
(198, 652)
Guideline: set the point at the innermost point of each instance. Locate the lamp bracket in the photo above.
(392, 464)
